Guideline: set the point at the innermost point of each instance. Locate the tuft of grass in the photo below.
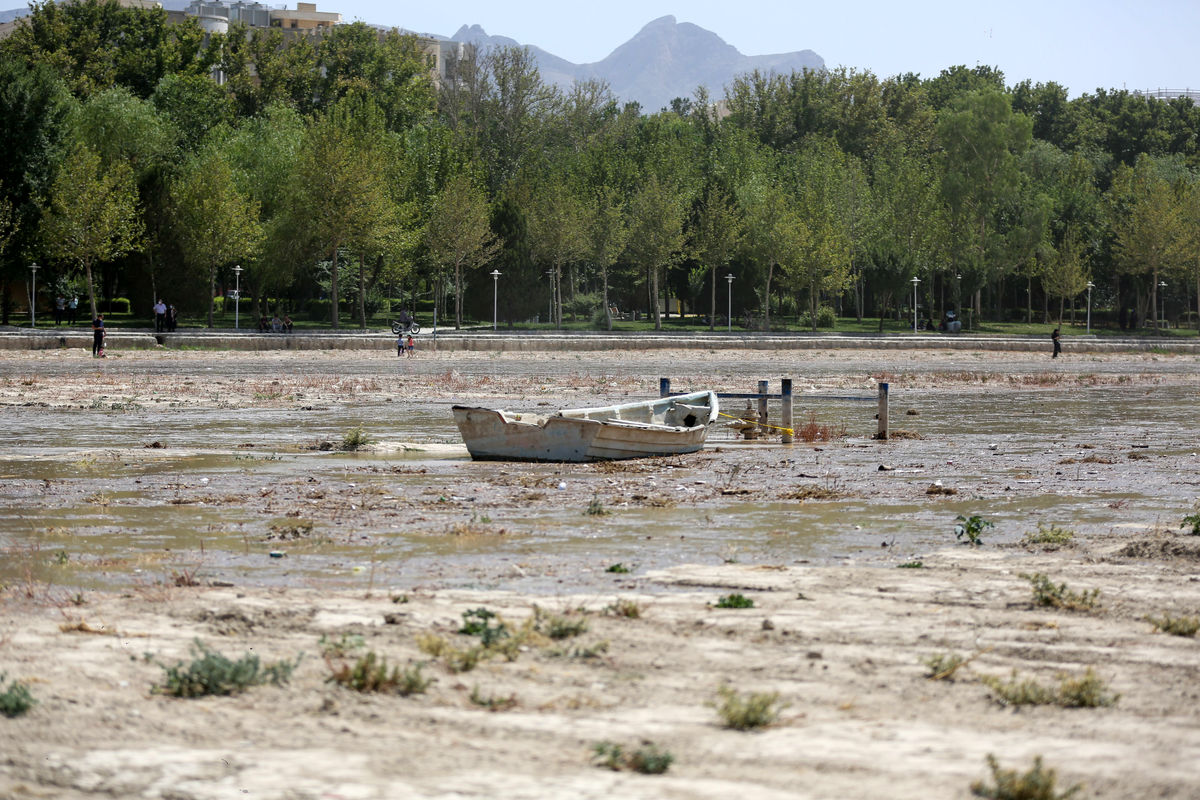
(370, 674)
(1045, 593)
(743, 712)
(342, 646)
(971, 528)
(479, 622)
(596, 509)
(911, 565)
(624, 608)
(16, 699)
(618, 568)
(1176, 626)
(1085, 691)
(1049, 535)
(1037, 783)
(647, 759)
(556, 627)
(1191, 524)
(211, 673)
(942, 666)
(492, 702)
(354, 439)
(735, 601)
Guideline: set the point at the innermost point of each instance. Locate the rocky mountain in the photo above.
(664, 60)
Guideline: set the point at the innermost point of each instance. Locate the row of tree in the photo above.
(146, 158)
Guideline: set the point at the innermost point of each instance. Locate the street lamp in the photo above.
(33, 268)
(915, 281)
(1162, 288)
(237, 293)
(495, 291)
(729, 303)
(1090, 286)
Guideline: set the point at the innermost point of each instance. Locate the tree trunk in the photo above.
(333, 293)
(558, 296)
(712, 312)
(654, 298)
(607, 307)
(212, 290)
(766, 326)
(87, 272)
(362, 291)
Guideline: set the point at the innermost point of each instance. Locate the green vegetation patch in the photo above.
(210, 673)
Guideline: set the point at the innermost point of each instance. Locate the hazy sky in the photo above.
(1082, 44)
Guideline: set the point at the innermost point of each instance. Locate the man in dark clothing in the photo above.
(98, 336)
(1057, 344)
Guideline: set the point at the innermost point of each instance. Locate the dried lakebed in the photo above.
(144, 496)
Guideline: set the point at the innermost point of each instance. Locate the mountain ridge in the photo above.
(664, 60)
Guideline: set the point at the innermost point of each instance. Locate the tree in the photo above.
(1143, 216)
(339, 185)
(557, 234)
(716, 237)
(606, 233)
(656, 238)
(92, 215)
(458, 237)
(773, 231)
(215, 223)
(1066, 274)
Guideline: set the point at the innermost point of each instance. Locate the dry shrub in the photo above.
(813, 492)
(813, 431)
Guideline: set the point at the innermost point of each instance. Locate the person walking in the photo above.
(98, 336)
(411, 347)
(160, 316)
(72, 310)
(1057, 343)
(399, 345)
(60, 309)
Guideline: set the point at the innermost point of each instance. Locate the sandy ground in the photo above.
(841, 645)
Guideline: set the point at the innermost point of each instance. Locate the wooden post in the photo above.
(762, 406)
(785, 414)
(883, 412)
(664, 387)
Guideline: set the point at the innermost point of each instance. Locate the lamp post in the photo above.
(237, 293)
(550, 275)
(729, 303)
(1162, 287)
(33, 268)
(1090, 286)
(495, 292)
(915, 281)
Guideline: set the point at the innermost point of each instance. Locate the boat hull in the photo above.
(594, 434)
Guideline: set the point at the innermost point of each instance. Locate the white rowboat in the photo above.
(661, 427)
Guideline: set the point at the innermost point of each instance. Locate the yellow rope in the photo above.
(759, 424)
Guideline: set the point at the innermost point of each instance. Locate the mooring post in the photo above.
(664, 387)
(883, 412)
(762, 405)
(785, 413)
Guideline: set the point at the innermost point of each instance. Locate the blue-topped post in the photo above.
(883, 412)
(664, 387)
(785, 414)
(762, 404)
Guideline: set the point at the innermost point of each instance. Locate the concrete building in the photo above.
(305, 17)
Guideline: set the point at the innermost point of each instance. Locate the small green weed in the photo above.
(355, 439)
(1036, 784)
(1045, 593)
(647, 759)
(1191, 524)
(16, 698)
(1086, 691)
(478, 622)
(492, 702)
(746, 712)
(556, 627)
(370, 674)
(735, 601)
(1049, 535)
(1176, 626)
(596, 508)
(971, 528)
(911, 565)
(211, 673)
(618, 568)
(342, 646)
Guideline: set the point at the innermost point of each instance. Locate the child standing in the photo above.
(399, 345)
(411, 347)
